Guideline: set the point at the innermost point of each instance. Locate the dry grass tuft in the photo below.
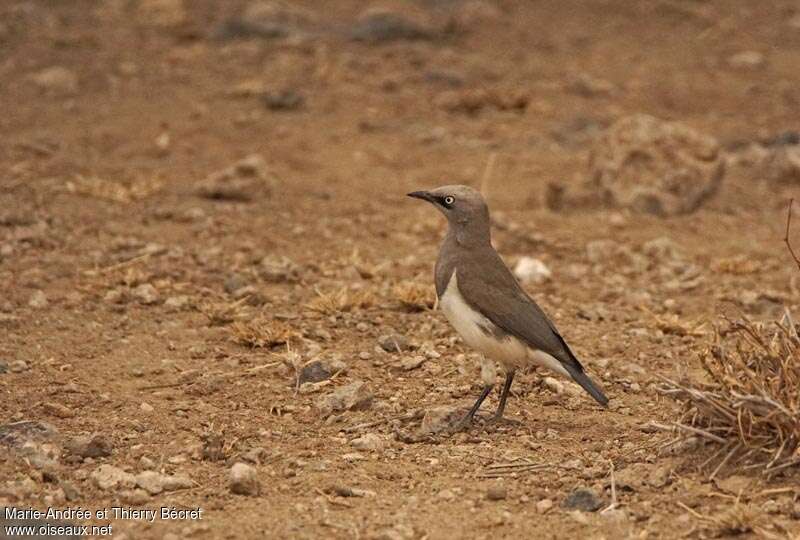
(751, 407)
(342, 300)
(223, 313)
(414, 296)
(258, 333)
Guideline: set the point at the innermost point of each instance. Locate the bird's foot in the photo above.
(461, 425)
(498, 421)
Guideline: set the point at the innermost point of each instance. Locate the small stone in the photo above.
(244, 480)
(497, 493)
(447, 494)
(381, 26)
(543, 506)
(89, 446)
(116, 296)
(108, 477)
(533, 271)
(234, 283)
(146, 463)
(583, 499)
(146, 407)
(57, 80)
(354, 396)
(284, 100)
(746, 60)
(242, 181)
(38, 300)
(71, 493)
(150, 481)
(412, 362)
(59, 410)
(314, 372)
(135, 497)
(394, 343)
(146, 294)
(369, 441)
(267, 19)
(555, 386)
(17, 366)
(438, 419)
(177, 303)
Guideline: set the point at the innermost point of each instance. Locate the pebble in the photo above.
(583, 499)
(746, 60)
(146, 294)
(146, 407)
(394, 343)
(243, 480)
(544, 506)
(154, 482)
(554, 385)
(533, 271)
(177, 303)
(412, 362)
(497, 493)
(38, 300)
(57, 80)
(314, 372)
(71, 493)
(380, 26)
(136, 496)
(369, 441)
(108, 477)
(89, 446)
(284, 100)
(354, 396)
(116, 296)
(18, 366)
(59, 410)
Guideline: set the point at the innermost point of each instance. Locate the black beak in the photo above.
(424, 195)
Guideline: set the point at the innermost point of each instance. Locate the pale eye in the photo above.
(449, 200)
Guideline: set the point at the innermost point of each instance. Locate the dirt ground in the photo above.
(172, 320)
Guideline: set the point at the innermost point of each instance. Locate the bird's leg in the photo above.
(504, 395)
(467, 420)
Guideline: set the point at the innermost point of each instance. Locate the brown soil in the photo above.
(95, 200)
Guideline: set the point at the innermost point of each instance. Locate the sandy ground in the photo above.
(173, 325)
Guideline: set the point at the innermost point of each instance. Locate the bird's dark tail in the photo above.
(587, 384)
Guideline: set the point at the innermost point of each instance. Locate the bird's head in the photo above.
(458, 203)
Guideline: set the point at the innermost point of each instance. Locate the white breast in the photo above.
(472, 327)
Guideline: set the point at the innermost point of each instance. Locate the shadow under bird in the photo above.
(488, 308)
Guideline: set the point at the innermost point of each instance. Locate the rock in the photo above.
(116, 296)
(18, 366)
(313, 372)
(447, 494)
(583, 499)
(782, 165)
(71, 493)
(587, 86)
(146, 407)
(655, 167)
(267, 19)
(380, 26)
(497, 493)
(369, 441)
(242, 181)
(136, 497)
(555, 386)
(58, 409)
(91, 446)
(394, 343)
(16, 435)
(278, 269)
(660, 248)
(178, 303)
(412, 362)
(284, 100)
(57, 80)
(746, 60)
(107, 477)
(244, 480)
(438, 419)
(543, 506)
(163, 12)
(354, 396)
(530, 270)
(234, 283)
(154, 482)
(146, 294)
(38, 300)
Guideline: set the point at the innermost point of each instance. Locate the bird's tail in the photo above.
(588, 384)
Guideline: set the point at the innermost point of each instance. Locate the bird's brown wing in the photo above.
(490, 288)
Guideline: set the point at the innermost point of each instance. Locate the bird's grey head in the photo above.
(464, 208)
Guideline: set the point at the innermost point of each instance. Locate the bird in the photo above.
(489, 309)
